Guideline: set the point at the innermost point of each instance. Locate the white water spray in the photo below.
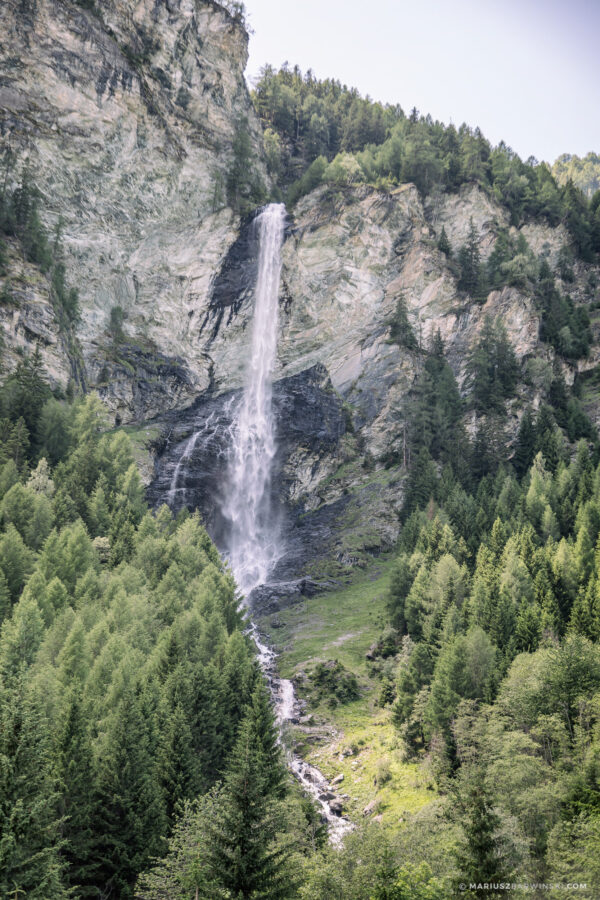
(183, 461)
(253, 541)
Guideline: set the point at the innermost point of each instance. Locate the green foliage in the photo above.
(478, 857)
(565, 326)
(444, 244)
(116, 319)
(365, 141)
(432, 430)
(471, 274)
(492, 368)
(20, 219)
(583, 172)
(244, 855)
(124, 674)
(31, 864)
(497, 677)
(6, 294)
(24, 393)
(332, 682)
(227, 844)
(463, 671)
(245, 191)
(401, 331)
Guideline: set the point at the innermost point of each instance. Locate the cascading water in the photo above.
(252, 543)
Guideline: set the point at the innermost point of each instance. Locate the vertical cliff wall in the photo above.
(126, 114)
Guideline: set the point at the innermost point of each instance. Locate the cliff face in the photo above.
(346, 261)
(126, 113)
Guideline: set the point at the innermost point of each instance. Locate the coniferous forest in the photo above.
(445, 679)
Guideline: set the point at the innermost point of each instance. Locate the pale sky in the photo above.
(525, 71)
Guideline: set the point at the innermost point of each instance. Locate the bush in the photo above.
(332, 681)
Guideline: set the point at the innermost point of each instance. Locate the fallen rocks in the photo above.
(370, 808)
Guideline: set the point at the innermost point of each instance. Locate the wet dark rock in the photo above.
(235, 280)
(309, 414)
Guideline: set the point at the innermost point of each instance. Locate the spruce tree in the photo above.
(444, 243)
(401, 331)
(245, 857)
(471, 276)
(75, 765)
(422, 482)
(130, 820)
(525, 447)
(478, 858)
(177, 764)
(30, 843)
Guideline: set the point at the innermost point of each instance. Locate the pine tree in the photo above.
(444, 244)
(478, 858)
(75, 765)
(130, 818)
(244, 855)
(30, 844)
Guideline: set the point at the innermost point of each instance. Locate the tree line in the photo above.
(490, 662)
(322, 132)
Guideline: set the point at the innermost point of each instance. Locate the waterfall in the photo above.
(252, 541)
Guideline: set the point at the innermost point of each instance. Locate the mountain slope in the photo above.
(126, 114)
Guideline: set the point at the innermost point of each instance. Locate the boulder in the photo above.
(336, 807)
(370, 807)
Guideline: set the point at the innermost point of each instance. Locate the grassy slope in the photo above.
(358, 740)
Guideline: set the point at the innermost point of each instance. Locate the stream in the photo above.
(312, 779)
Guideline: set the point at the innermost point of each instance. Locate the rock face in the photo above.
(342, 383)
(308, 412)
(126, 112)
(28, 321)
